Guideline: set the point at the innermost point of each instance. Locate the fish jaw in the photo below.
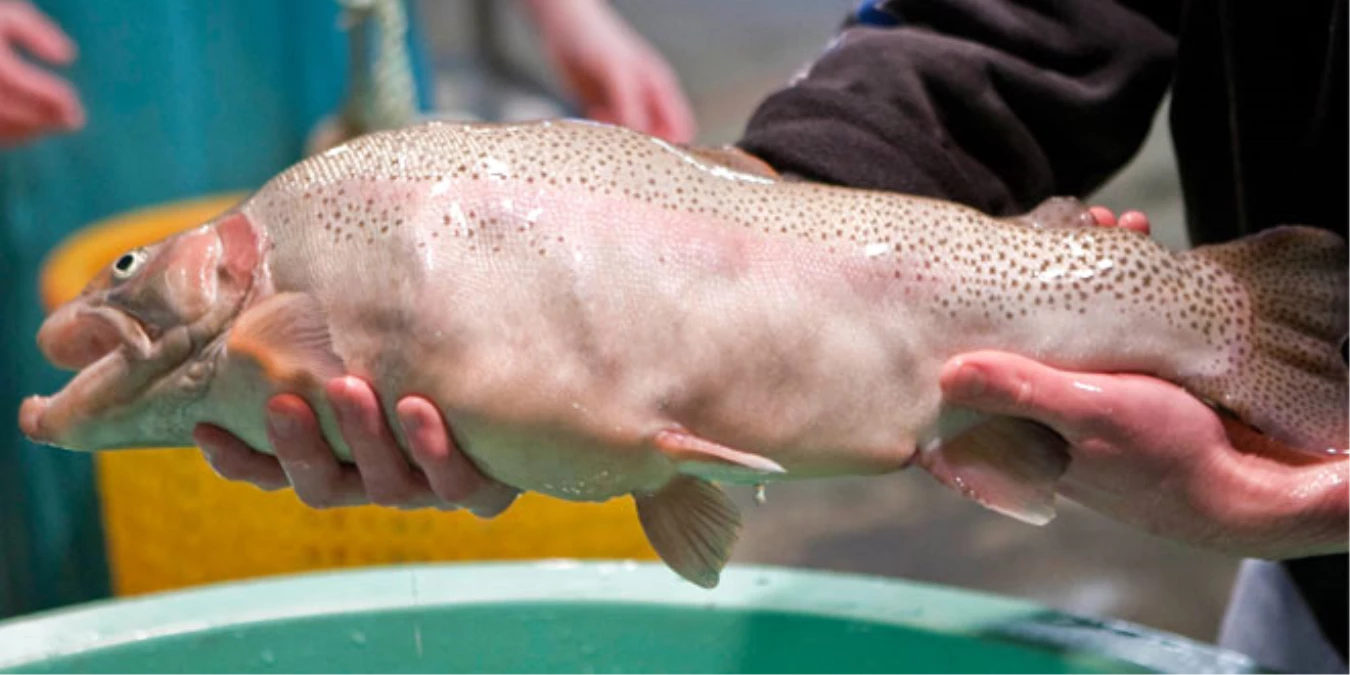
(104, 406)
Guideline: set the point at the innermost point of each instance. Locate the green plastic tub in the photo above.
(563, 616)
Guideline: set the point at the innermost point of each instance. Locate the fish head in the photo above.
(143, 336)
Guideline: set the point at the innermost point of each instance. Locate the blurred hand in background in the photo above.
(616, 75)
(34, 102)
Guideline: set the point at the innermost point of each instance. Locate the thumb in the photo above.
(1006, 384)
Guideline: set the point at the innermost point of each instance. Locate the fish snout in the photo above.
(31, 416)
(42, 419)
(75, 336)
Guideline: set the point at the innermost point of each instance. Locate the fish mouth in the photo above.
(76, 336)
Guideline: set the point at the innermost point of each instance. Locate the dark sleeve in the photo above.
(993, 103)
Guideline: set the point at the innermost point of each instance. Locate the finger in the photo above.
(388, 478)
(601, 112)
(672, 118)
(29, 28)
(320, 481)
(232, 459)
(452, 476)
(1134, 220)
(1007, 384)
(20, 81)
(671, 121)
(1104, 216)
(624, 93)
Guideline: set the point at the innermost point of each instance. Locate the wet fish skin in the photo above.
(598, 313)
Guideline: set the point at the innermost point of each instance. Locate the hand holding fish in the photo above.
(1146, 452)
(1133, 442)
(443, 478)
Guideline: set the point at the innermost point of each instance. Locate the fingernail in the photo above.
(412, 423)
(282, 425)
(341, 398)
(971, 383)
(343, 394)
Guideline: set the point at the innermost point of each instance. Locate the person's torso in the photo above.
(1259, 121)
(1259, 116)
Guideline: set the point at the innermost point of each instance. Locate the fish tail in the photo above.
(1288, 378)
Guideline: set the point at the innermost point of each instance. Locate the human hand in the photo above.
(618, 77)
(444, 478)
(1148, 453)
(32, 101)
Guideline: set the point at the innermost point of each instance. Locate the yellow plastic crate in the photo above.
(172, 522)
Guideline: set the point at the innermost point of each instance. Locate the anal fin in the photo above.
(692, 525)
(1006, 464)
(286, 336)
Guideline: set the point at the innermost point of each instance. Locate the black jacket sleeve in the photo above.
(993, 103)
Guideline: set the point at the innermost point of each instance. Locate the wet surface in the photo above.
(729, 55)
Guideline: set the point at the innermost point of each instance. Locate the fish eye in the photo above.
(128, 264)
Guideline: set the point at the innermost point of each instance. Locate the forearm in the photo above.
(995, 105)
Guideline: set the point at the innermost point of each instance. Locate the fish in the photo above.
(601, 314)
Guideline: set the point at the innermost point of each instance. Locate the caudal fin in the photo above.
(1290, 381)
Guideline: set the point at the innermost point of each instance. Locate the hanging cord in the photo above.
(393, 97)
(381, 93)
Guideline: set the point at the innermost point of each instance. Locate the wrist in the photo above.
(1324, 514)
(1304, 508)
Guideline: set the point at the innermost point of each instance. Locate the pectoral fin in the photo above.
(692, 525)
(712, 460)
(1007, 465)
(286, 336)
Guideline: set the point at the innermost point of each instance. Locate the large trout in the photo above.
(598, 313)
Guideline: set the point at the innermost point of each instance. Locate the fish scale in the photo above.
(1060, 274)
